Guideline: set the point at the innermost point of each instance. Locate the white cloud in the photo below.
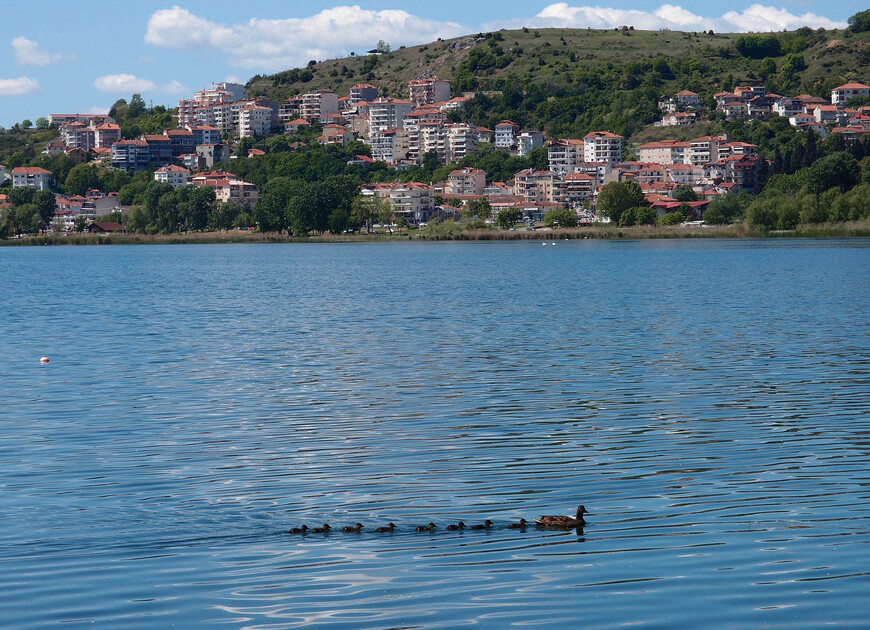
(28, 53)
(667, 16)
(19, 86)
(128, 83)
(284, 43)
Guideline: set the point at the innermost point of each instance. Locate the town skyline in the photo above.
(55, 65)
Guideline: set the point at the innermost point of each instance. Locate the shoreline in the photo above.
(851, 229)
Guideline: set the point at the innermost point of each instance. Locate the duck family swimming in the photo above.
(561, 522)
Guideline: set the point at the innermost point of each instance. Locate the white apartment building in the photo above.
(389, 145)
(505, 134)
(706, 149)
(841, 94)
(387, 113)
(31, 177)
(602, 146)
(254, 121)
(529, 140)
(461, 141)
(175, 176)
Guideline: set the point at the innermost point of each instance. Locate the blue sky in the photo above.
(68, 57)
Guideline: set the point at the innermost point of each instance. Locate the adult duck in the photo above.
(564, 521)
(352, 529)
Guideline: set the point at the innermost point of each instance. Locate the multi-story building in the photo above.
(78, 136)
(461, 141)
(505, 134)
(428, 91)
(664, 152)
(387, 113)
(31, 177)
(389, 145)
(528, 140)
(182, 141)
(842, 93)
(106, 134)
(159, 149)
(466, 181)
(131, 155)
(602, 146)
(687, 98)
(536, 186)
(290, 109)
(254, 121)
(413, 201)
(317, 104)
(175, 176)
(205, 134)
(787, 107)
(362, 92)
(564, 154)
(705, 149)
(578, 187)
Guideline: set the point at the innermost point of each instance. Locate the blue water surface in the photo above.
(707, 401)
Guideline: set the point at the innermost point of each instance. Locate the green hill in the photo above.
(568, 81)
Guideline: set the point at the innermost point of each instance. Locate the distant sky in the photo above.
(67, 57)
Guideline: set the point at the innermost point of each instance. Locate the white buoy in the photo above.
(44, 359)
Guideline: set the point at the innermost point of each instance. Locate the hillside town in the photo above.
(401, 133)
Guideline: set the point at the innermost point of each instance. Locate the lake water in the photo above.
(707, 401)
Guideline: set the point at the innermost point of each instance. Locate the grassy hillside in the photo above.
(703, 62)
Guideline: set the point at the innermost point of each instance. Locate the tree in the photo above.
(42, 123)
(26, 124)
(838, 169)
(671, 218)
(860, 22)
(383, 47)
(223, 215)
(363, 210)
(479, 207)
(560, 218)
(617, 197)
(80, 224)
(45, 205)
(685, 193)
(80, 179)
(508, 217)
(386, 214)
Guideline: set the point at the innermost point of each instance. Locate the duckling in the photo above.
(457, 527)
(349, 530)
(322, 530)
(388, 528)
(564, 521)
(486, 525)
(520, 525)
(426, 528)
(298, 530)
